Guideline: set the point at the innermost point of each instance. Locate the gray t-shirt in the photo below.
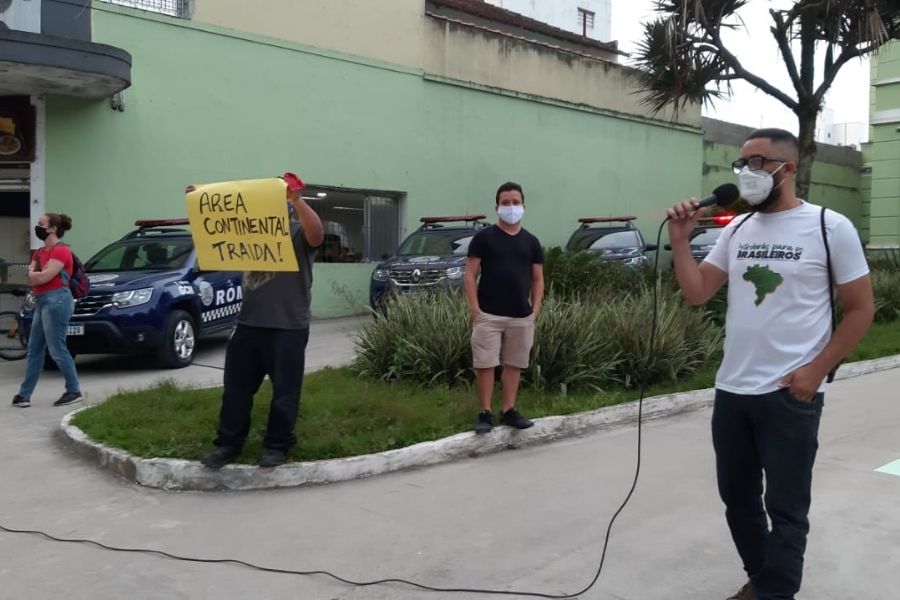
(280, 300)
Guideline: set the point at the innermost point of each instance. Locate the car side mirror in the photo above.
(385, 256)
(668, 247)
(651, 248)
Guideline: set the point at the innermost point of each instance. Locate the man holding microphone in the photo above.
(779, 348)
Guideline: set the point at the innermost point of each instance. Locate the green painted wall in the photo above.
(209, 104)
(836, 186)
(883, 152)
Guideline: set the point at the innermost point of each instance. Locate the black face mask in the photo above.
(40, 232)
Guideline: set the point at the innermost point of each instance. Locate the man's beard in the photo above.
(771, 199)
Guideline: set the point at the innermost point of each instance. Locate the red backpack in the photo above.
(79, 284)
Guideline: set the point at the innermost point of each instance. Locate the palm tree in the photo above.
(682, 59)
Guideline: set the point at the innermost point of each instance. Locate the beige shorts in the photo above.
(501, 340)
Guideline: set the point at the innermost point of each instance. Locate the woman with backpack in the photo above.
(49, 274)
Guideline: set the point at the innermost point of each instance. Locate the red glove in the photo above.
(294, 183)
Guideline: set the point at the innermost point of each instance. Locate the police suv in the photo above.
(433, 257)
(148, 295)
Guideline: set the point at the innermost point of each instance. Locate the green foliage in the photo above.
(886, 286)
(571, 351)
(342, 414)
(581, 344)
(573, 275)
(418, 337)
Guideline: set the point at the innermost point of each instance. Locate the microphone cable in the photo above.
(396, 580)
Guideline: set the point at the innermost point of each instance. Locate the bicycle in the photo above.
(13, 345)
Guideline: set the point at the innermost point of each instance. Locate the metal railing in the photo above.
(182, 9)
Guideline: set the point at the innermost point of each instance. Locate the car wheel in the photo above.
(179, 340)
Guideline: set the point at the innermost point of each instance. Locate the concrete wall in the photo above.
(399, 32)
(883, 152)
(386, 30)
(210, 104)
(836, 178)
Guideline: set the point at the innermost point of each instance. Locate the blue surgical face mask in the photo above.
(511, 214)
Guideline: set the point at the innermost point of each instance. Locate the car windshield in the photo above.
(706, 237)
(604, 239)
(141, 255)
(437, 243)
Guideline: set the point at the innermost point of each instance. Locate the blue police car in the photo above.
(433, 257)
(148, 295)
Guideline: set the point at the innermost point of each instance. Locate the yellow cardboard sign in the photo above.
(242, 226)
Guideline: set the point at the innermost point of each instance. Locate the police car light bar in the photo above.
(587, 220)
(466, 218)
(718, 219)
(160, 222)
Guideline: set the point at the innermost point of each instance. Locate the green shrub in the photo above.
(570, 352)
(685, 339)
(886, 285)
(580, 345)
(884, 259)
(573, 275)
(418, 337)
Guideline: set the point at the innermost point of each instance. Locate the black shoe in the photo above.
(514, 419)
(272, 458)
(485, 422)
(220, 457)
(21, 402)
(747, 592)
(68, 398)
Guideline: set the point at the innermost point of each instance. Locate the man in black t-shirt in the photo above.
(270, 339)
(504, 304)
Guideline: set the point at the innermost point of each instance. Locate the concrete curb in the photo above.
(171, 474)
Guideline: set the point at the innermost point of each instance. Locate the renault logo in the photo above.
(416, 275)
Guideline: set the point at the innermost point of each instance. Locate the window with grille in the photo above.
(359, 226)
(175, 8)
(585, 20)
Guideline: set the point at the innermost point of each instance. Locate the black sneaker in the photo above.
(485, 422)
(220, 457)
(514, 419)
(21, 402)
(68, 398)
(747, 592)
(272, 458)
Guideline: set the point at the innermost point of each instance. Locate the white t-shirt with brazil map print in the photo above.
(779, 316)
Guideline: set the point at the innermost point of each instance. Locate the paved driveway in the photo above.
(526, 519)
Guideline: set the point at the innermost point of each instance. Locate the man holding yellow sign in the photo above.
(246, 225)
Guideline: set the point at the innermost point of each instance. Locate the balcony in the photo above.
(46, 48)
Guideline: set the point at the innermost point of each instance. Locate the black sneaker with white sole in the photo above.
(20, 402)
(68, 398)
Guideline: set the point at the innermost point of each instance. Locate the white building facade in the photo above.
(592, 18)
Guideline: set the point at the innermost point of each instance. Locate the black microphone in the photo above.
(722, 196)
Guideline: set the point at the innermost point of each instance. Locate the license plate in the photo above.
(75, 329)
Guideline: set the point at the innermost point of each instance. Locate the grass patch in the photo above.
(342, 414)
(882, 339)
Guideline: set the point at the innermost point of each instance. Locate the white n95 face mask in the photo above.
(511, 214)
(756, 186)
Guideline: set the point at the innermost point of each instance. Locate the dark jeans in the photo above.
(777, 435)
(253, 353)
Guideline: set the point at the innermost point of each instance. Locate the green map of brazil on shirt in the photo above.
(765, 280)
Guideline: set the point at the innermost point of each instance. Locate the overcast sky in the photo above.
(848, 98)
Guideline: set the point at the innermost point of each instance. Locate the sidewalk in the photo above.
(528, 519)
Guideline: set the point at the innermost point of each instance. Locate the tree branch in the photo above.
(846, 56)
(736, 66)
(779, 32)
